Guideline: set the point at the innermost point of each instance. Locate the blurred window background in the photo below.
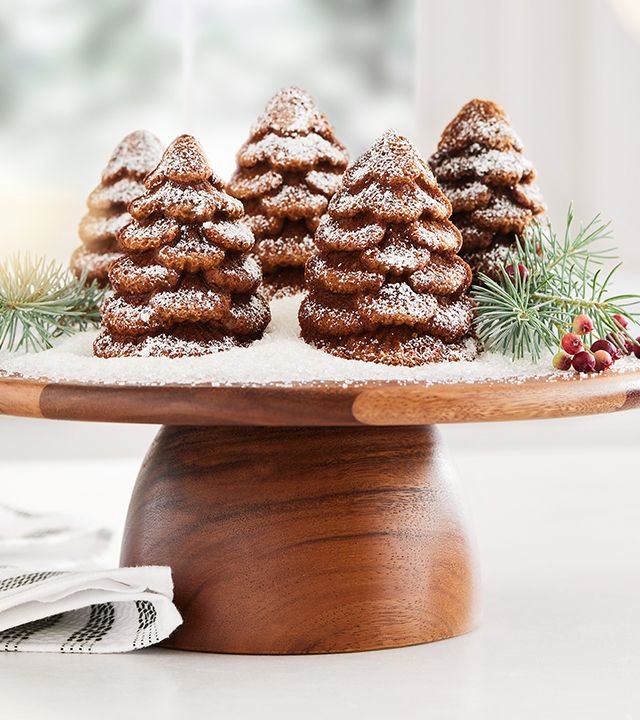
(76, 76)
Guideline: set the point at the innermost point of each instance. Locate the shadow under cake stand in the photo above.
(312, 518)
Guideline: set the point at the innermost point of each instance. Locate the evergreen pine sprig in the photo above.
(41, 300)
(523, 314)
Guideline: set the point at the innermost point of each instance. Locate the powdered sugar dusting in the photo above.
(499, 167)
(383, 316)
(292, 111)
(135, 156)
(280, 357)
(295, 201)
(292, 153)
(325, 182)
(396, 303)
(401, 203)
(99, 228)
(93, 263)
(391, 159)
(121, 192)
(186, 203)
(479, 121)
(396, 256)
(391, 181)
(481, 169)
(501, 215)
(121, 183)
(287, 170)
(183, 161)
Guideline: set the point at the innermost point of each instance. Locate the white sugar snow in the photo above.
(281, 357)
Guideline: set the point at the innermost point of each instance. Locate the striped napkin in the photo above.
(75, 610)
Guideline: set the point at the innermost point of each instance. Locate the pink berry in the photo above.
(562, 361)
(522, 271)
(603, 360)
(582, 325)
(571, 343)
(584, 362)
(607, 347)
(621, 321)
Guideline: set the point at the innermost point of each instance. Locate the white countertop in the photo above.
(556, 511)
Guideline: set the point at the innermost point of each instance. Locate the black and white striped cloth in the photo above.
(99, 611)
(78, 610)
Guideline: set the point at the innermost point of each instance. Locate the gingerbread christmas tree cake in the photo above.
(481, 169)
(121, 182)
(287, 171)
(387, 284)
(186, 284)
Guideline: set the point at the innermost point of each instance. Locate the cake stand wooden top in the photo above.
(371, 403)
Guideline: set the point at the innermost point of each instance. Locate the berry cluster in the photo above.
(601, 354)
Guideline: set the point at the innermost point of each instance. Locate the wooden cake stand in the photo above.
(309, 519)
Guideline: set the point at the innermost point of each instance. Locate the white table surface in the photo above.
(556, 508)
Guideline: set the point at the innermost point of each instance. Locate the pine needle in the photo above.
(523, 316)
(41, 300)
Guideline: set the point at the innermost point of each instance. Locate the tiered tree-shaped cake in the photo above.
(133, 159)
(186, 284)
(287, 171)
(387, 285)
(481, 169)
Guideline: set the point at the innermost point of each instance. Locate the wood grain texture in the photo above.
(323, 404)
(485, 402)
(197, 405)
(20, 397)
(304, 540)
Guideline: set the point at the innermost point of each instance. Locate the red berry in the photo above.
(522, 271)
(603, 360)
(584, 362)
(572, 343)
(582, 324)
(562, 361)
(621, 321)
(636, 348)
(607, 347)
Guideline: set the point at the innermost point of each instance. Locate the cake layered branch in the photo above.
(122, 181)
(186, 284)
(491, 185)
(387, 284)
(287, 171)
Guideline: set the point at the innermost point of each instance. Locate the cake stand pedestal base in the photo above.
(304, 540)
